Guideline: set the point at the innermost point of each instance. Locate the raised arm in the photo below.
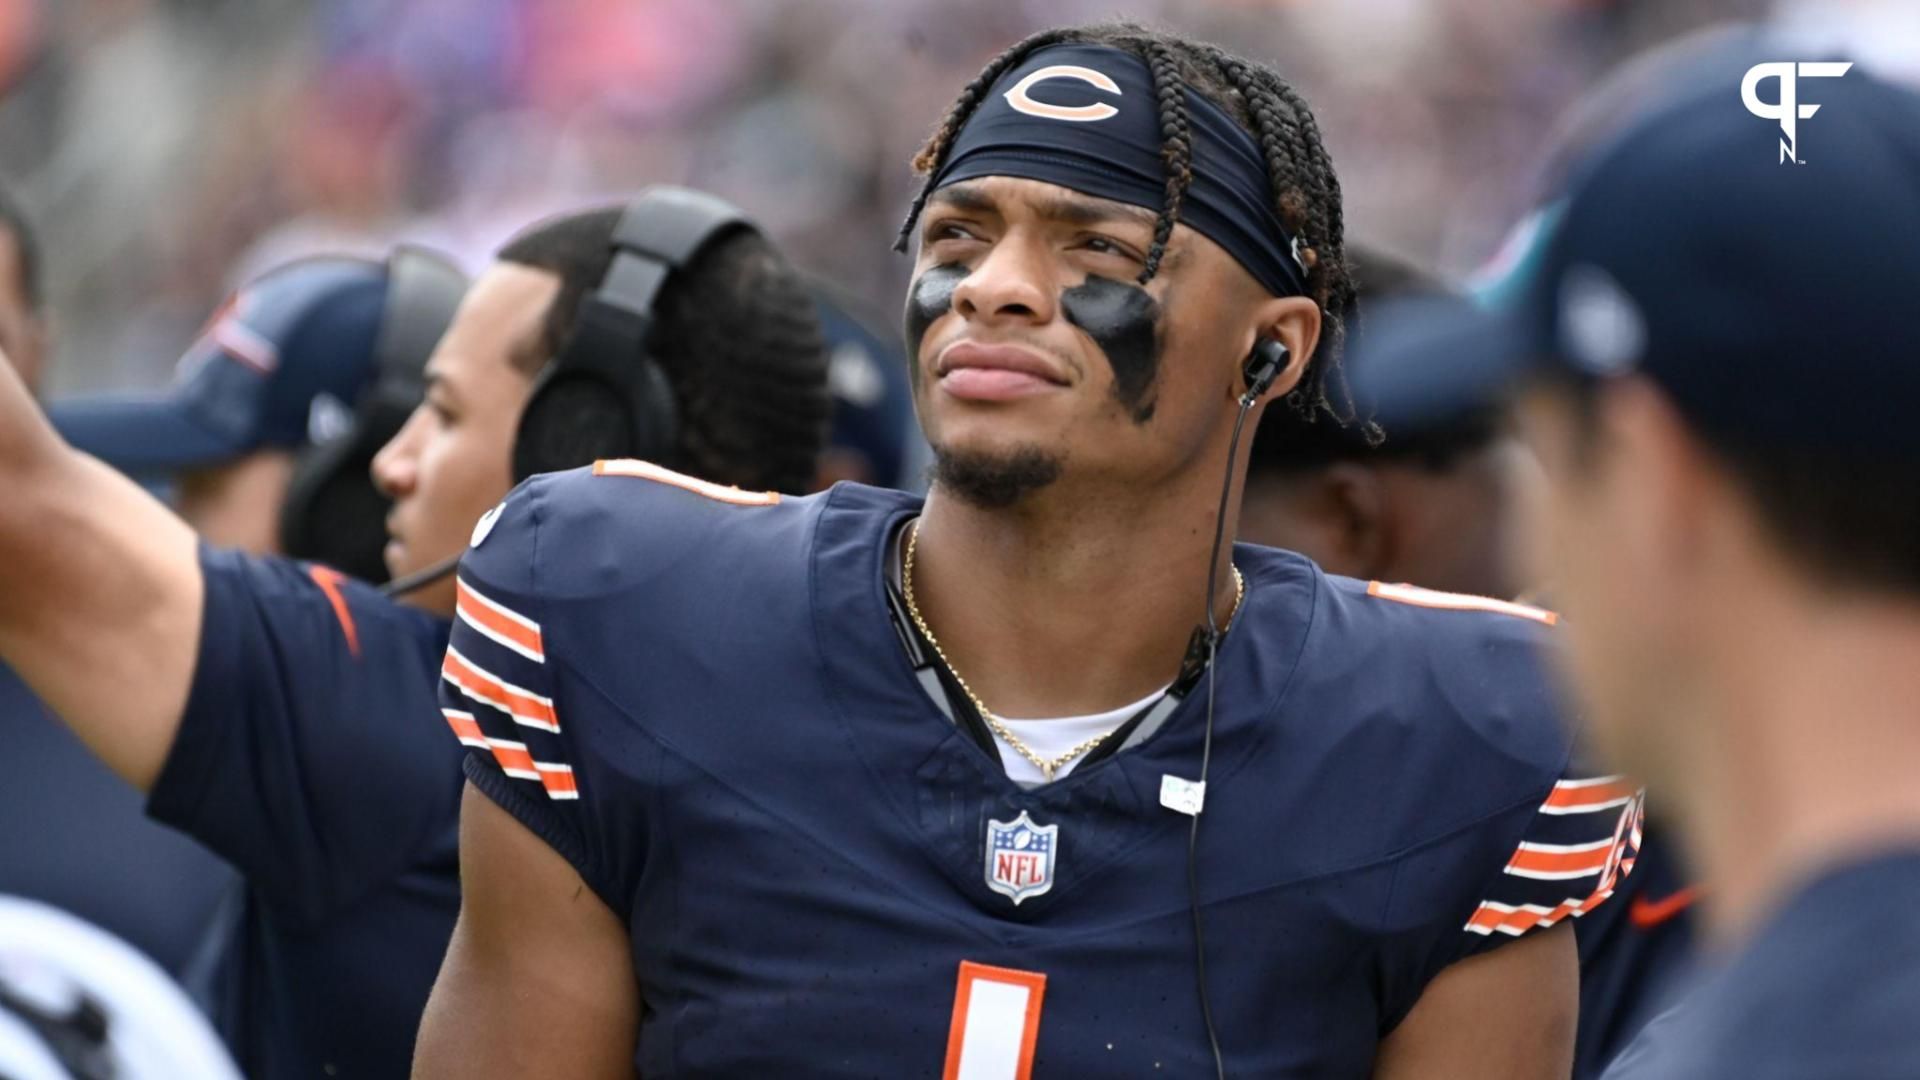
(538, 981)
(100, 592)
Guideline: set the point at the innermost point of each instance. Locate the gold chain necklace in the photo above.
(1047, 768)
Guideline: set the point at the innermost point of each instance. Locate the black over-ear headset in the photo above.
(332, 513)
(604, 395)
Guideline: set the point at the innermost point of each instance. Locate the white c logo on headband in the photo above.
(1018, 98)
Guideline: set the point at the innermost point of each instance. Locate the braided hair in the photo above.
(1306, 190)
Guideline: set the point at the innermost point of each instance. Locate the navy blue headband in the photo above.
(1085, 117)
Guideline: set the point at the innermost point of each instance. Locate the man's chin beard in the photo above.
(994, 480)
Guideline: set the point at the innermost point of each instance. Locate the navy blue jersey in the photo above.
(77, 840)
(698, 698)
(1634, 952)
(1829, 988)
(310, 756)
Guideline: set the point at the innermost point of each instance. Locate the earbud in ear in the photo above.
(1264, 364)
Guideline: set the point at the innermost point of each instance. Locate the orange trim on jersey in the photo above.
(465, 727)
(1518, 919)
(1419, 597)
(1509, 919)
(970, 973)
(1579, 796)
(647, 470)
(498, 621)
(558, 780)
(522, 705)
(513, 757)
(328, 579)
(1540, 860)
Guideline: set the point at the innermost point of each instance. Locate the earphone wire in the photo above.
(422, 578)
(1206, 743)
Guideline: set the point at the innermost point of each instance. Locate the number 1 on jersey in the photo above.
(996, 1020)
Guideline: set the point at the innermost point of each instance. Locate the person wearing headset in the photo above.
(294, 373)
(1034, 776)
(284, 714)
(314, 339)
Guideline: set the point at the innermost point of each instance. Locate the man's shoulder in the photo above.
(625, 536)
(1438, 656)
(604, 528)
(297, 597)
(1449, 693)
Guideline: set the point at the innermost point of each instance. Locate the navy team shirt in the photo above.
(697, 697)
(1829, 988)
(311, 758)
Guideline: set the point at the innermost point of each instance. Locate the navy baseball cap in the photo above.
(279, 365)
(1759, 270)
(872, 400)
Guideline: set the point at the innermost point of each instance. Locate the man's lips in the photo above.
(979, 372)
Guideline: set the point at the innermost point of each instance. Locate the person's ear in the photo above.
(1293, 324)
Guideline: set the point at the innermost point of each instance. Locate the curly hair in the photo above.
(735, 332)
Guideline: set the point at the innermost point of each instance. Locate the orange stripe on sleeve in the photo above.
(1418, 597)
(329, 580)
(1517, 919)
(465, 727)
(499, 622)
(1582, 796)
(1552, 861)
(647, 470)
(513, 758)
(558, 780)
(524, 706)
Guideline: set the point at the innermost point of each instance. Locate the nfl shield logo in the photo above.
(1020, 857)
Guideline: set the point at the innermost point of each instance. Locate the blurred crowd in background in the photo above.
(169, 149)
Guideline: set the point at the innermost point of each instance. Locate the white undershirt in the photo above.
(1051, 738)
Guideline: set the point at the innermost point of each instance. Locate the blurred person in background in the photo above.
(874, 438)
(283, 713)
(258, 440)
(1437, 505)
(1635, 948)
(77, 837)
(1442, 503)
(296, 368)
(1734, 539)
(23, 322)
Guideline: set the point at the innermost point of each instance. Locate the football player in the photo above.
(283, 714)
(865, 785)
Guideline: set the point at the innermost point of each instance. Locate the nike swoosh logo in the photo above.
(1646, 914)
